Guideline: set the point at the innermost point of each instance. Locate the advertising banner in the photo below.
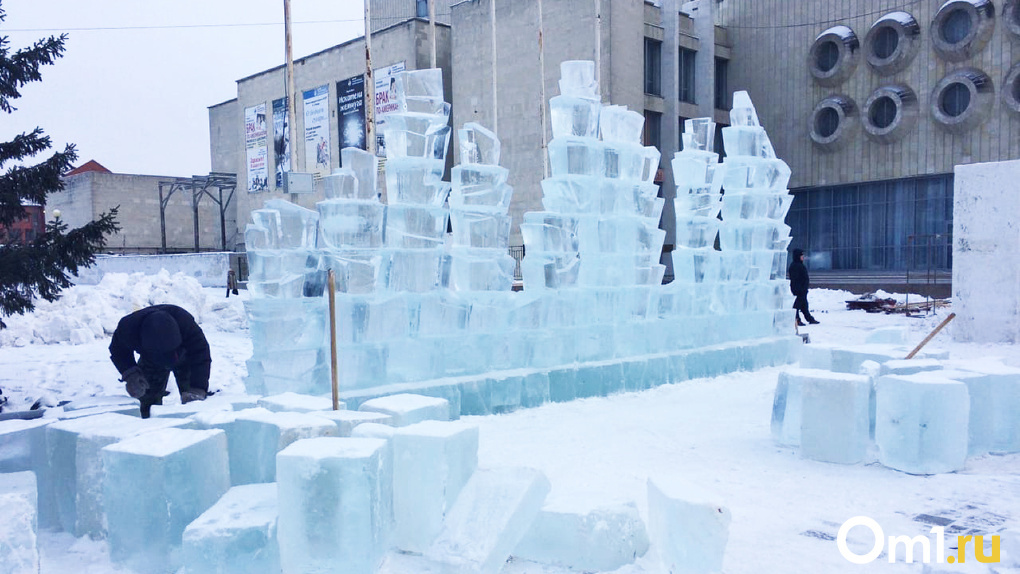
(281, 139)
(317, 130)
(385, 101)
(256, 151)
(350, 112)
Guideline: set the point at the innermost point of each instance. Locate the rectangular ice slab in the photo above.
(489, 519)
(786, 404)
(921, 423)
(257, 435)
(688, 526)
(834, 418)
(432, 460)
(994, 391)
(155, 485)
(335, 505)
(23, 447)
(73, 448)
(236, 536)
(297, 403)
(910, 366)
(599, 540)
(19, 551)
(407, 409)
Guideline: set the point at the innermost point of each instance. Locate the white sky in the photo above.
(136, 100)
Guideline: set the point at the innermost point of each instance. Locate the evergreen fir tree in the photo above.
(41, 267)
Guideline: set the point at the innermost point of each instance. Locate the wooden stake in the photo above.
(332, 339)
(931, 335)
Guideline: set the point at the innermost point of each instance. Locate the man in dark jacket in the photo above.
(799, 284)
(166, 338)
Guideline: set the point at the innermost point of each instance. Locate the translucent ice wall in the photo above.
(424, 281)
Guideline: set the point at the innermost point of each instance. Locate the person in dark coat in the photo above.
(167, 339)
(799, 284)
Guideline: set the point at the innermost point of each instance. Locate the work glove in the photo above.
(193, 395)
(135, 382)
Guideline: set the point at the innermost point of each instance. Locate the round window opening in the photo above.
(827, 122)
(883, 112)
(886, 42)
(955, 100)
(828, 56)
(956, 26)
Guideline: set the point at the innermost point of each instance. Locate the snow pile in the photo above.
(85, 313)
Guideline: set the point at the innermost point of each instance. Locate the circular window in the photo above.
(1011, 92)
(890, 113)
(882, 112)
(962, 99)
(832, 120)
(955, 99)
(892, 42)
(961, 28)
(1011, 15)
(833, 56)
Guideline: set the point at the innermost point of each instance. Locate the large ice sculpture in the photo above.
(424, 280)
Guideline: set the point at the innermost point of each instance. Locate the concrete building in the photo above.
(92, 190)
(871, 103)
(406, 44)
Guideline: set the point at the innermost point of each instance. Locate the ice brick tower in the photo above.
(286, 312)
(731, 269)
(595, 249)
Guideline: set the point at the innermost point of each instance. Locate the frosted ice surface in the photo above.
(411, 180)
(335, 505)
(595, 540)
(407, 409)
(351, 223)
(347, 421)
(405, 143)
(618, 124)
(480, 229)
(414, 84)
(373, 430)
(849, 359)
(415, 227)
(577, 78)
(236, 536)
(432, 461)
(478, 145)
(474, 542)
(887, 336)
(365, 167)
(480, 270)
(743, 113)
(414, 270)
(257, 435)
(921, 423)
(155, 485)
(342, 184)
(77, 468)
(699, 135)
(23, 448)
(688, 525)
(910, 366)
(298, 226)
(19, 527)
(994, 391)
(834, 418)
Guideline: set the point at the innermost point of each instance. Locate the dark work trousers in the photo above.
(800, 304)
(158, 377)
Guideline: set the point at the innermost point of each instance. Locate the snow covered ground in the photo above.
(713, 433)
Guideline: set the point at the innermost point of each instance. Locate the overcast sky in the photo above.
(137, 77)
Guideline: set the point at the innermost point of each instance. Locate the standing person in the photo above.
(799, 285)
(167, 339)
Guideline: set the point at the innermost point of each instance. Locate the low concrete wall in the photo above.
(210, 269)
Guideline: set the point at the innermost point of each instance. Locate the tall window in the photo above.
(680, 134)
(722, 84)
(686, 75)
(653, 67)
(422, 8)
(653, 129)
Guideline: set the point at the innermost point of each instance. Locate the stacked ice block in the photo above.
(593, 254)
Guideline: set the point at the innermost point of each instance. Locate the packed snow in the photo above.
(712, 434)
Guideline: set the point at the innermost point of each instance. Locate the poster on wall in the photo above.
(350, 112)
(281, 139)
(256, 150)
(385, 101)
(317, 130)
